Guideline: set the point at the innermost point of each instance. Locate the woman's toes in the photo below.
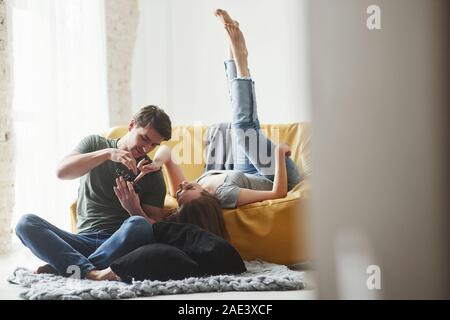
(223, 15)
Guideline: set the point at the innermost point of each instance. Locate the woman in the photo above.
(251, 180)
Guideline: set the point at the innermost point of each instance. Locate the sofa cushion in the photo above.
(155, 262)
(213, 254)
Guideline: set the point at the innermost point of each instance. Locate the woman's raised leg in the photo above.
(253, 152)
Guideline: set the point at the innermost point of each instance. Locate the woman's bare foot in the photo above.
(226, 19)
(237, 42)
(46, 268)
(239, 49)
(230, 51)
(105, 274)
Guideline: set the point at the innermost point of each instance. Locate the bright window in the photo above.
(60, 96)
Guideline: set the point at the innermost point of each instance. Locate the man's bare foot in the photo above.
(105, 274)
(46, 268)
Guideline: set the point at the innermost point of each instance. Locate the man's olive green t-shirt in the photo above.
(98, 208)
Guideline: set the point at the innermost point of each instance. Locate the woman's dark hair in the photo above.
(204, 212)
(156, 118)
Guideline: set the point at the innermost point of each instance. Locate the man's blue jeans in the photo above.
(65, 251)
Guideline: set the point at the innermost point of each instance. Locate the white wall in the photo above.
(380, 181)
(178, 59)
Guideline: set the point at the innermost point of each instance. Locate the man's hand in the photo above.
(127, 196)
(146, 167)
(124, 157)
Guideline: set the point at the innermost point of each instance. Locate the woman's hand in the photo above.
(128, 198)
(285, 149)
(145, 167)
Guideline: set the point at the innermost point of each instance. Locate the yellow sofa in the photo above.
(272, 230)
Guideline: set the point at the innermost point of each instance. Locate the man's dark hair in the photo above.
(156, 118)
(204, 212)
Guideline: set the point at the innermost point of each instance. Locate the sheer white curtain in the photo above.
(60, 96)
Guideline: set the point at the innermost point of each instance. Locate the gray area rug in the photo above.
(260, 276)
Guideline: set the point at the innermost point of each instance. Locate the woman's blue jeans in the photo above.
(69, 253)
(253, 152)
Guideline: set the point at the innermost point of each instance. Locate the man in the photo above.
(113, 219)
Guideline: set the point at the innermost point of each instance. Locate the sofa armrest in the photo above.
(273, 230)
